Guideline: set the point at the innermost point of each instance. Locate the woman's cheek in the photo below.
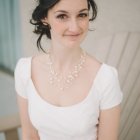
(86, 25)
(58, 26)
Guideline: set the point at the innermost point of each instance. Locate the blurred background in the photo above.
(115, 41)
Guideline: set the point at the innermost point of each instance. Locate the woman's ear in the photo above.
(45, 21)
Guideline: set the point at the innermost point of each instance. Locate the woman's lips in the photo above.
(73, 36)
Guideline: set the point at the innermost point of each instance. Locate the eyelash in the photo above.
(83, 15)
(63, 16)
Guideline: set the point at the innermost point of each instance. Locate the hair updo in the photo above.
(41, 11)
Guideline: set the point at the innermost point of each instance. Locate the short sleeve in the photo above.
(111, 94)
(20, 75)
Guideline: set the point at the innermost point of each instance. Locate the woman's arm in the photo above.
(28, 131)
(109, 124)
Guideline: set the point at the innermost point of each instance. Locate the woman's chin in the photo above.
(72, 44)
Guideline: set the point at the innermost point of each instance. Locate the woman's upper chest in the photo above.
(74, 108)
(76, 92)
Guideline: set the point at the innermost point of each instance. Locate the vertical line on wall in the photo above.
(132, 88)
(126, 128)
(123, 50)
(126, 103)
(110, 48)
(131, 63)
(133, 123)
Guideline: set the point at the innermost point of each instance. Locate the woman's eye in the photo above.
(62, 16)
(82, 15)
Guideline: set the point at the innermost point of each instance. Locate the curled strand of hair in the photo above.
(39, 44)
(34, 23)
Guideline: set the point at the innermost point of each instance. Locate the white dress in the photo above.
(75, 122)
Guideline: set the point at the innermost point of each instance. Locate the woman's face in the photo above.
(69, 21)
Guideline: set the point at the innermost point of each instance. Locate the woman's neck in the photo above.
(64, 58)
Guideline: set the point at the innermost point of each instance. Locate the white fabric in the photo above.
(76, 122)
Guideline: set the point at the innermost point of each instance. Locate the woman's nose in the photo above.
(74, 25)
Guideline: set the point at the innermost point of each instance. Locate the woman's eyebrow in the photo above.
(63, 11)
(84, 10)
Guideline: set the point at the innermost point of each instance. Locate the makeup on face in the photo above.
(69, 21)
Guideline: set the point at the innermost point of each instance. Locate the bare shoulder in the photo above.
(93, 62)
(40, 57)
(38, 65)
(39, 60)
(92, 67)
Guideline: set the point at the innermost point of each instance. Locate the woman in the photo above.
(64, 93)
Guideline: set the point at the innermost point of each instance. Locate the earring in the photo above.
(47, 25)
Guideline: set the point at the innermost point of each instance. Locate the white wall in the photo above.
(119, 15)
(28, 38)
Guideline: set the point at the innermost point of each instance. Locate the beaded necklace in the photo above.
(65, 82)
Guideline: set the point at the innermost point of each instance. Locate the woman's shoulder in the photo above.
(26, 61)
(105, 72)
(23, 60)
(93, 63)
(23, 66)
(107, 68)
(108, 86)
(107, 76)
(39, 58)
(109, 72)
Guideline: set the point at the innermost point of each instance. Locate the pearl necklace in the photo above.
(64, 82)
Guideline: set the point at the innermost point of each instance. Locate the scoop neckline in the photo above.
(69, 106)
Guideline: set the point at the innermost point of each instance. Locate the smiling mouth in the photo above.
(73, 35)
